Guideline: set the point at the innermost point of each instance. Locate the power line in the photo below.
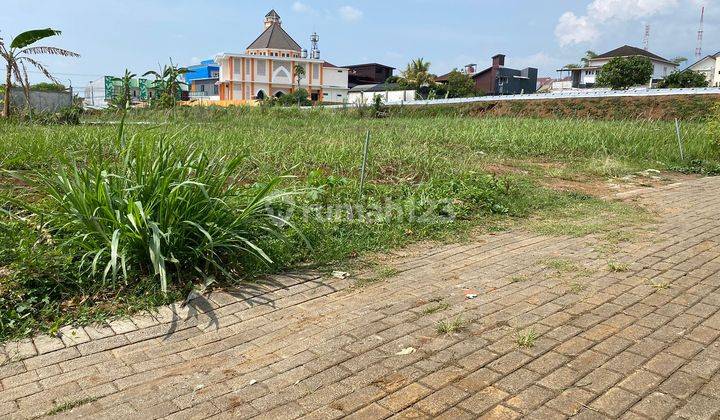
(62, 74)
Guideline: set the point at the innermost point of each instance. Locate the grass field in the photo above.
(445, 174)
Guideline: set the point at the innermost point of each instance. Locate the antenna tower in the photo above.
(646, 38)
(698, 50)
(315, 51)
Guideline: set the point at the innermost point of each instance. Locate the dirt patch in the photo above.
(595, 188)
(606, 188)
(504, 169)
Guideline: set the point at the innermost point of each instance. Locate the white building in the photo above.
(710, 67)
(389, 92)
(586, 77)
(267, 68)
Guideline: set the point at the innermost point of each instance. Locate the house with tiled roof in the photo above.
(267, 67)
(500, 80)
(710, 67)
(586, 77)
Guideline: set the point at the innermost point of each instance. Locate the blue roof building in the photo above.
(202, 79)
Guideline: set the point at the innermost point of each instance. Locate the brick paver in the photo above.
(608, 342)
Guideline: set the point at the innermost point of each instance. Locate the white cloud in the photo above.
(350, 14)
(539, 60)
(300, 7)
(572, 29)
(605, 10)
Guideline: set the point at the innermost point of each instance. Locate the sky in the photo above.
(141, 35)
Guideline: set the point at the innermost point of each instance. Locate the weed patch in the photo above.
(562, 265)
(661, 285)
(64, 407)
(450, 327)
(577, 288)
(518, 279)
(526, 339)
(618, 267)
(435, 308)
(590, 216)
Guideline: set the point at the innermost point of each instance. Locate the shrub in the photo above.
(684, 79)
(48, 87)
(378, 107)
(161, 210)
(298, 97)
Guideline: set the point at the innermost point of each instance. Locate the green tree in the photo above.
(460, 85)
(572, 66)
(589, 55)
(624, 72)
(18, 55)
(417, 74)
(684, 79)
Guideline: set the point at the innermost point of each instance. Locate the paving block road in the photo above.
(559, 329)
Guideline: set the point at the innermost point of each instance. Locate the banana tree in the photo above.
(18, 56)
(168, 84)
(123, 99)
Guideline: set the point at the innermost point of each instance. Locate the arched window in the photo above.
(279, 94)
(260, 95)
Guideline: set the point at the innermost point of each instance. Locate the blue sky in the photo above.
(139, 34)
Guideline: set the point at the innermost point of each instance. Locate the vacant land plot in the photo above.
(428, 177)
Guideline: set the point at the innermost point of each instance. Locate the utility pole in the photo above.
(698, 50)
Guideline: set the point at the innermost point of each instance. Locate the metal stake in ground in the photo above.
(679, 139)
(364, 163)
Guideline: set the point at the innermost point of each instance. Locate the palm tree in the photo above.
(589, 55)
(417, 73)
(299, 75)
(17, 58)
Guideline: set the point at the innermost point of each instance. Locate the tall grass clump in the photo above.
(714, 127)
(159, 210)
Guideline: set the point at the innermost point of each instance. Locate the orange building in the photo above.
(267, 68)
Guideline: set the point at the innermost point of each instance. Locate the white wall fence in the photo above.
(41, 100)
(575, 94)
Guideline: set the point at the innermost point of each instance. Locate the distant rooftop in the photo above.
(275, 38)
(630, 51)
(379, 87)
(369, 64)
